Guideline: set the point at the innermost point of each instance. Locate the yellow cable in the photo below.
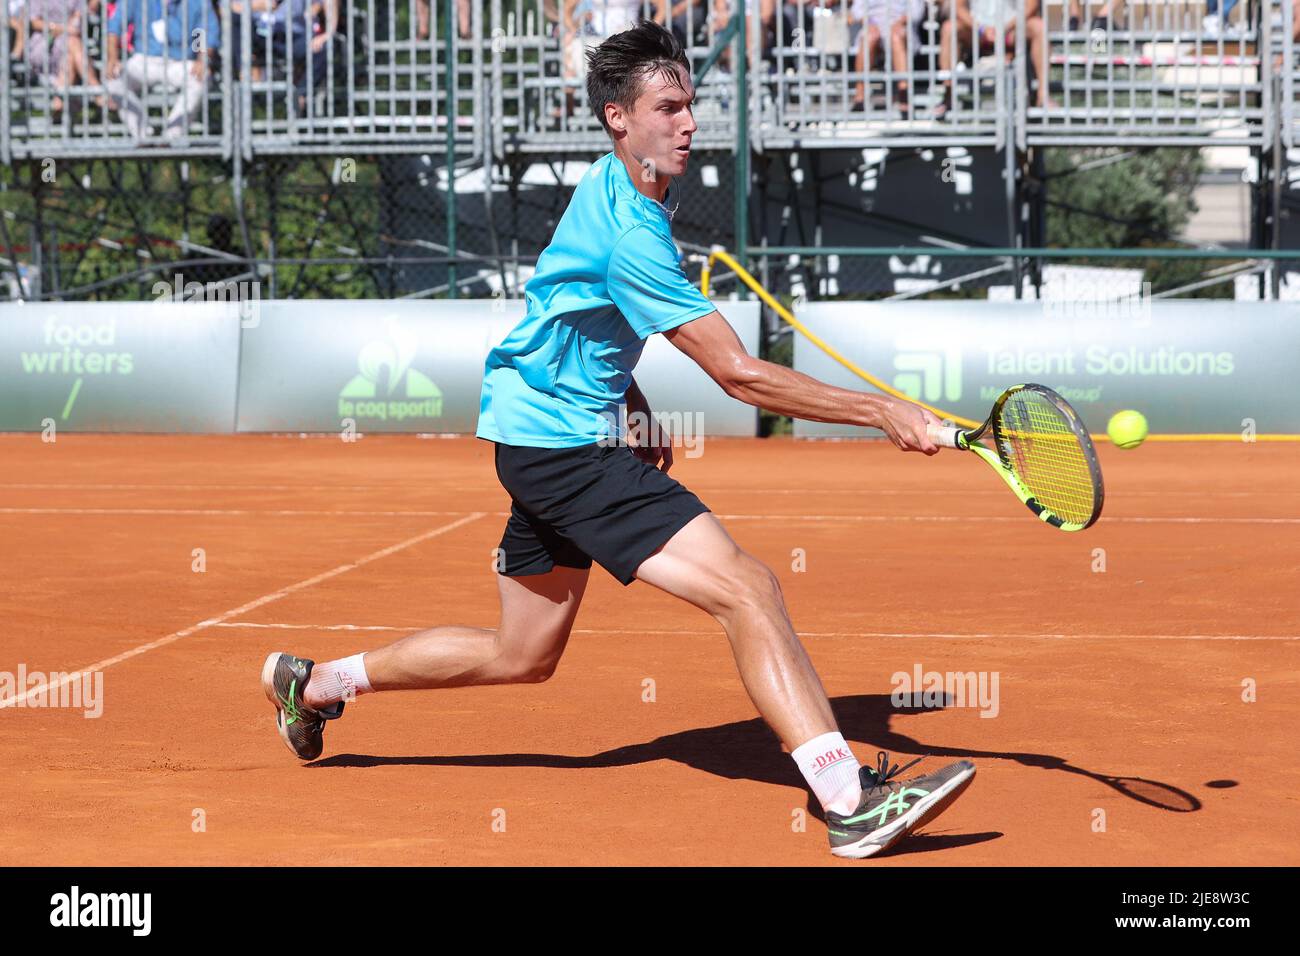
(785, 314)
(781, 310)
(1225, 436)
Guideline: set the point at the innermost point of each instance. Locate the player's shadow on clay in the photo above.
(748, 750)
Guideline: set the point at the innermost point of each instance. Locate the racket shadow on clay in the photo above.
(1153, 793)
(748, 750)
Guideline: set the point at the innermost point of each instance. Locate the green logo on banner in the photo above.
(926, 373)
(386, 388)
(77, 349)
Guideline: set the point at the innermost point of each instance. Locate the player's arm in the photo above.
(714, 346)
(646, 437)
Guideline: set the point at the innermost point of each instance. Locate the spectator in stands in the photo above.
(1100, 18)
(1216, 22)
(463, 18)
(587, 23)
(803, 27)
(1100, 14)
(279, 33)
(900, 18)
(975, 23)
(16, 25)
(325, 28)
(762, 28)
(55, 52)
(692, 17)
(172, 39)
(256, 57)
(608, 17)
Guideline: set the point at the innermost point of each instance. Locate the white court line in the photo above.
(944, 519)
(701, 489)
(255, 603)
(225, 511)
(94, 486)
(1002, 518)
(317, 627)
(833, 634)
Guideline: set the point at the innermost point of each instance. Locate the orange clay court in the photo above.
(1120, 692)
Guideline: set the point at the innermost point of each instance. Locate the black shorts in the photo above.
(570, 505)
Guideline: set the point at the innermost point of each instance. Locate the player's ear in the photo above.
(616, 118)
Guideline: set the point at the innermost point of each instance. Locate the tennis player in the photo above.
(610, 279)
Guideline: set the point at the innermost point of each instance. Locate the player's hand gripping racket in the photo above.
(1043, 453)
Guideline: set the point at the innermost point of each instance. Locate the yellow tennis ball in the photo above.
(1127, 429)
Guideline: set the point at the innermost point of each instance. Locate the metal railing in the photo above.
(101, 84)
(911, 78)
(387, 75)
(375, 75)
(1167, 72)
(538, 70)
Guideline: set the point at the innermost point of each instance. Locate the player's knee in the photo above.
(519, 669)
(749, 585)
(538, 672)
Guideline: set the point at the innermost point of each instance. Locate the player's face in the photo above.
(660, 126)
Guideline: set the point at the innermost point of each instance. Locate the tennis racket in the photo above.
(1043, 453)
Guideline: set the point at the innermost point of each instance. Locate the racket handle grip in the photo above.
(943, 435)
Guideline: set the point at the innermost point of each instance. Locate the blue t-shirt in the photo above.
(609, 280)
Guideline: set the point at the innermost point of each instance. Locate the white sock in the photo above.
(831, 770)
(338, 680)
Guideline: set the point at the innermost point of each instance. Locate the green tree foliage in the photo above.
(1123, 198)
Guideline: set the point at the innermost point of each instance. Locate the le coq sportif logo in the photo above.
(386, 387)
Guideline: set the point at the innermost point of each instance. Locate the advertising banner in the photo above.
(1190, 367)
(119, 366)
(417, 366)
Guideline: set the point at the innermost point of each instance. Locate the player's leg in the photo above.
(541, 586)
(537, 613)
(541, 579)
(867, 810)
(703, 565)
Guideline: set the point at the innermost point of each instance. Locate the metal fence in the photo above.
(377, 75)
(1159, 71)
(226, 77)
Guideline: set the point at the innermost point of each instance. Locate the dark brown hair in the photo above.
(618, 68)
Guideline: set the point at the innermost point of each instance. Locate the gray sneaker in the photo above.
(891, 809)
(284, 678)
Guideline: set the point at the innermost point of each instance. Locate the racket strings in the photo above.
(1046, 455)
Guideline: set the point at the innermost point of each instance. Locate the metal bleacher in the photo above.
(1153, 75)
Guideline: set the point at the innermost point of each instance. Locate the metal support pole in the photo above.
(1013, 212)
(1275, 217)
(742, 137)
(451, 147)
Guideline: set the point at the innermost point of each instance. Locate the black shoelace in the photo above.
(882, 775)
